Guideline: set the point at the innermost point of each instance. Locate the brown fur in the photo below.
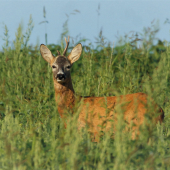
(134, 107)
(95, 112)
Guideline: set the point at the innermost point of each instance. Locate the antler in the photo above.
(67, 43)
(58, 52)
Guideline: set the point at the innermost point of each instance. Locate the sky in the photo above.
(115, 18)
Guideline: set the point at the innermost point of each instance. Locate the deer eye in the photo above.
(68, 67)
(53, 66)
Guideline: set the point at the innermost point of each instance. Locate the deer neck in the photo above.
(64, 95)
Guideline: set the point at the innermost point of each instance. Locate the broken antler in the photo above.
(58, 52)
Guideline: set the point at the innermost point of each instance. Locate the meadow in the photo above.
(32, 134)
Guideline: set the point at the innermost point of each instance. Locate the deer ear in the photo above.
(75, 53)
(46, 53)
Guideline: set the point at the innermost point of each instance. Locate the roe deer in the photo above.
(134, 107)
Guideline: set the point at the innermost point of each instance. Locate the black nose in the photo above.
(61, 76)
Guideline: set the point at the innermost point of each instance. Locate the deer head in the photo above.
(61, 64)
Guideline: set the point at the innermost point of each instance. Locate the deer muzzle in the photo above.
(61, 78)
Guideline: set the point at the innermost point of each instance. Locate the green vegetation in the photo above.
(32, 135)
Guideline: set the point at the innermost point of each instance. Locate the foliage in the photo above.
(32, 135)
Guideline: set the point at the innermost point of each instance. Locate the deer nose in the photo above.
(61, 76)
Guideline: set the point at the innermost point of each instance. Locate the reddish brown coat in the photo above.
(95, 112)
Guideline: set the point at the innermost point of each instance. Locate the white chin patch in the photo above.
(61, 81)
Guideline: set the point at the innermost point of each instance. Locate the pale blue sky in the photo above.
(117, 17)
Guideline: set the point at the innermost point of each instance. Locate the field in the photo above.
(32, 135)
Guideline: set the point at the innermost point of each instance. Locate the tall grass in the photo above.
(32, 135)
